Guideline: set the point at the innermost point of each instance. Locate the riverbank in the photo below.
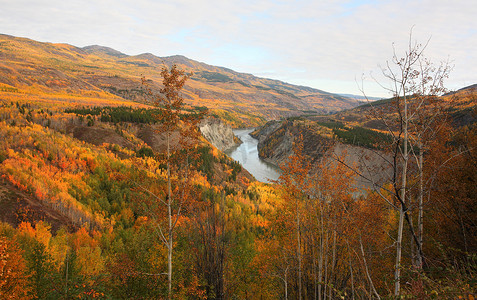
(247, 155)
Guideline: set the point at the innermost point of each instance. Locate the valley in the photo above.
(247, 155)
(140, 177)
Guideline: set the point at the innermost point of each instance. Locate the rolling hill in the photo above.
(36, 68)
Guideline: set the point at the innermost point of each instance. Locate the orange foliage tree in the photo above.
(13, 271)
(295, 187)
(181, 136)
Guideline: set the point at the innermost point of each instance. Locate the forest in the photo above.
(187, 222)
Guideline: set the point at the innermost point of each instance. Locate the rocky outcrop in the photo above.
(372, 165)
(218, 133)
(261, 133)
(276, 141)
(214, 130)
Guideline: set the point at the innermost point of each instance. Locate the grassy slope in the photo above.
(63, 70)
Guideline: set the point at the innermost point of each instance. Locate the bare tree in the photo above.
(411, 119)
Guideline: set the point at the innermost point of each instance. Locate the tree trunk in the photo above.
(420, 224)
(320, 262)
(169, 214)
(315, 284)
(397, 272)
(333, 262)
(298, 249)
(351, 273)
(325, 265)
(286, 283)
(402, 196)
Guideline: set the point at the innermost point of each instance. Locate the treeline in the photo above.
(118, 114)
(357, 135)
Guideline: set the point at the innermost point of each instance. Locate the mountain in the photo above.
(105, 50)
(31, 67)
(360, 97)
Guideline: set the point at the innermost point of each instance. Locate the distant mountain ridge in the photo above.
(30, 66)
(105, 50)
(361, 97)
(470, 87)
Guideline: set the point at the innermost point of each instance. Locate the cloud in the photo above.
(304, 42)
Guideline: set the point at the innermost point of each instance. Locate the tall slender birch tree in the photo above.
(415, 84)
(181, 134)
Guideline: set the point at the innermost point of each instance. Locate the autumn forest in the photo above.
(110, 189)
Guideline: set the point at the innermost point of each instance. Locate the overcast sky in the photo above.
(324, 44)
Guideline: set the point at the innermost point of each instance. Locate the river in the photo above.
(247, 155)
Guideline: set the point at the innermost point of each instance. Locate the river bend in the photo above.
(247, 155)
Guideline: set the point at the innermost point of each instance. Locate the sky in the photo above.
(336, 46)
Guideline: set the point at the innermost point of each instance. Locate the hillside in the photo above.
(459, 106)
(103, 197)
(363, 131)
(62, 70)
(79, 189)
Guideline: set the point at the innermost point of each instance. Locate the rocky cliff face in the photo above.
(218, 134)
(276, 141)
(261, 133)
